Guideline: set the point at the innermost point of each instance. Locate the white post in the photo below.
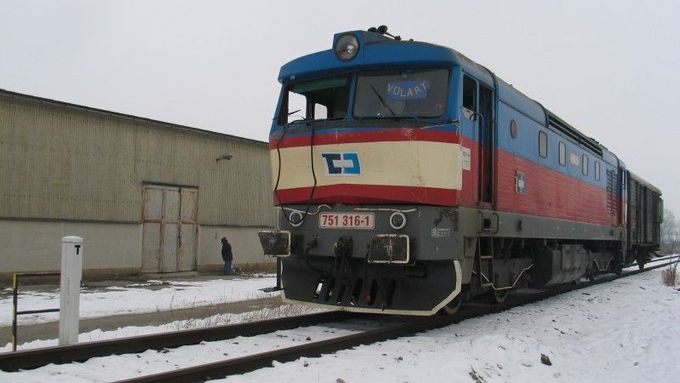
(69, 302)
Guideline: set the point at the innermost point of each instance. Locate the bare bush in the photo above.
(669, 275)
(670, 233)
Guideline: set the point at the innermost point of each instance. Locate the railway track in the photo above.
(253, 362)
(39, 357)
(27, 359)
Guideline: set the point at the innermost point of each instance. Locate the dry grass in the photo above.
(253, 316)
(258, 267)
(669, 275)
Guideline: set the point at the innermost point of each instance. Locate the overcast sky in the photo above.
(610, 68)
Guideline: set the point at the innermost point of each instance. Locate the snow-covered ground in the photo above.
(107, 369)
(150, 296)
(623, 331)
(215, 320)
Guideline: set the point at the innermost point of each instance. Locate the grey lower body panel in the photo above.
(513, 225)
(339, 267)
(422, 289)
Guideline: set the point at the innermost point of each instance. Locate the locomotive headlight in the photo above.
(397, 220)
(347, 47)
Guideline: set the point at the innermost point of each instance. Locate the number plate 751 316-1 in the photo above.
(347, 220)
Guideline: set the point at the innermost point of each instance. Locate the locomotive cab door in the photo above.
(479, 117)
(486, 146)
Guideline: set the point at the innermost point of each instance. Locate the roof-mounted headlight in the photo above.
(347, 47)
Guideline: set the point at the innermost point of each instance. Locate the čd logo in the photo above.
(341, 164)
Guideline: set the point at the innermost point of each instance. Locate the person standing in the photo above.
(226, 255)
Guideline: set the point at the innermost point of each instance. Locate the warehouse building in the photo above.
(146, 196)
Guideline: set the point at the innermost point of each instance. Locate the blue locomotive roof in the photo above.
(518, 100)
(379, 51)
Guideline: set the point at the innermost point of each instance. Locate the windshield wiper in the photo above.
(393, 117)
(382, 100)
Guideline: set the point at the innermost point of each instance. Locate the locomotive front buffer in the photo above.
(275, 243)
(364, 259)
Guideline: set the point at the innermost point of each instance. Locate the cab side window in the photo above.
(324, 99)
(542, 144)
(584, 168)
(563, 153)
(469, 96)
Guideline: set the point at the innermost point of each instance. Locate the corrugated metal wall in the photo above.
(72, 163)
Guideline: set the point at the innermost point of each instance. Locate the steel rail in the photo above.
(34, 358)
(221, 369)
(27, 359)
(664, 258)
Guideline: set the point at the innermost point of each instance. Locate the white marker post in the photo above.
(69, 302)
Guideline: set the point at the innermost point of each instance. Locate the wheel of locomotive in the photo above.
(452, 307)
(499, 296)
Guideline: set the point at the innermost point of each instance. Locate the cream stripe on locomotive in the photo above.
(398, 163)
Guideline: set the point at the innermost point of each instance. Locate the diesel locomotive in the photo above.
(409, 178)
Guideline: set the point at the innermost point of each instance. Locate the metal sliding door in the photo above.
(169, 229)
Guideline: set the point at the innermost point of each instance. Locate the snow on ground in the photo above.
(622, 331)
(139, 297)
(215, 320)
(113, 368)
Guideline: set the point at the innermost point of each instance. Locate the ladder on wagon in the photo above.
(485, 266)
(485, 262)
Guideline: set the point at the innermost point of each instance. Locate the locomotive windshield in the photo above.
(410, 93)
(384, 94)
(324, 99)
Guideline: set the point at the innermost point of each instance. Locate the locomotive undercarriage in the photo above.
(515, 250)
(438, 258)
(504, 264)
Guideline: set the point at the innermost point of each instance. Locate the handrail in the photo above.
(15, 302)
